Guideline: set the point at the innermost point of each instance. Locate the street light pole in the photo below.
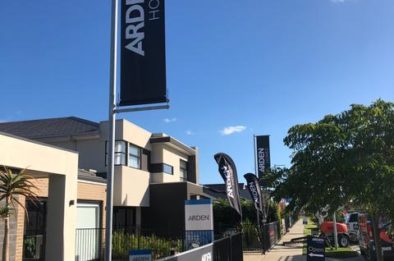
(111, 129)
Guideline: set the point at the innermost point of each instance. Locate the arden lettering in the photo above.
(198, 217)
(261, 159)
(253, 189)
(229, 186)
(135, 22)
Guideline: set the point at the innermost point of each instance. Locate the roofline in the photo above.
(176, 143)
(96, 124)
(37, 142)
(84, 136)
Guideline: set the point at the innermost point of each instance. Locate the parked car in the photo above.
(366, 238)
(352, 225)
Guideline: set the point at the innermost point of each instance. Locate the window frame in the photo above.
(164, 165)
(126, 154)
(116, 153)
(183, 169)
(138, 157)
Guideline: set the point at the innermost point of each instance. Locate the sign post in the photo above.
(142, 74)
(315, 249)
(198, 222)
(111, 130)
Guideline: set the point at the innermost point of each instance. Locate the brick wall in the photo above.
(86, 191)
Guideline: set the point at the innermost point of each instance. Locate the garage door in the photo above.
(88, 232)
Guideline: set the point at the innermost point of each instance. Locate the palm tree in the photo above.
(13, 184)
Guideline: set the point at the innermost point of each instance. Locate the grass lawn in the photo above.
(340, 252)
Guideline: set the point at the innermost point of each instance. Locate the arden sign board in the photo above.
(263, 154)
(198, 223)
(315, 249)
(198, 215)
(143, 70)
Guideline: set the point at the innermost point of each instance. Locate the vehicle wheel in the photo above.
(343, 240)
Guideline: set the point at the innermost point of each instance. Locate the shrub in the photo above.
(122, 242)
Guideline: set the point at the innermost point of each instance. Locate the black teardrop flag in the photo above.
(253, 186)
(229, 174)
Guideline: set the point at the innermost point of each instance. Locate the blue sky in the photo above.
(234, 68)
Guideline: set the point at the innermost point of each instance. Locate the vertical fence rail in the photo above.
(88, 244)
(270, 233)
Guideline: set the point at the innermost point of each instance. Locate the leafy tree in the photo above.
(342, 158)
(12, 186)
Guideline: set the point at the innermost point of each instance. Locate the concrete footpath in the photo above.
(291, 252)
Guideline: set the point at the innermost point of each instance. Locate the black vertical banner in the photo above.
(143, 65)
(253, 186)
(263, 154)
(228, 172)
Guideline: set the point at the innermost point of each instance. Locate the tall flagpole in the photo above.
(111, 129)
(255, 157)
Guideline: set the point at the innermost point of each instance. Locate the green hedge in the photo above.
(123, 242)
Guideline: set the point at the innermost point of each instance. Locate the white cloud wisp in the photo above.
(232, 129)
(169, 120)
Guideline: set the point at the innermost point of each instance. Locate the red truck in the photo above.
(327, 230)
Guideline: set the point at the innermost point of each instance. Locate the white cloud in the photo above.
(189, 132)
(232, 129)
(169, 120)
(339, 1)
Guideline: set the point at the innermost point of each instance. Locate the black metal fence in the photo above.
(228, 248)
(271, 235)
(90, 243)
(255, 239)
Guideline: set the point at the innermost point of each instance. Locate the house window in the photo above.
(120, 153)
(125, 154)
(183, 170)
(134, 159)
(168, 169)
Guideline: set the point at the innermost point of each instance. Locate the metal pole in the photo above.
(111, 129)
(260, 220)
(254, 153)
